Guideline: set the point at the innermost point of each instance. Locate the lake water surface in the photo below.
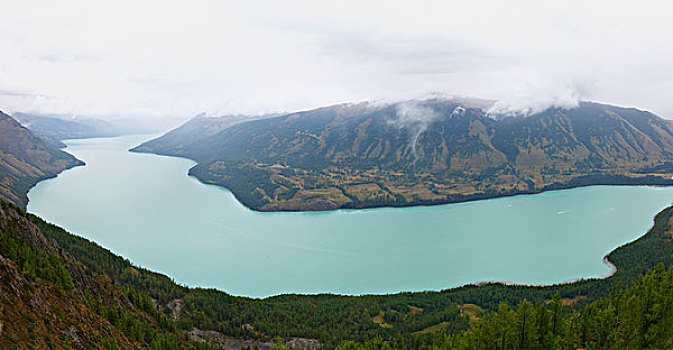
(145, 208)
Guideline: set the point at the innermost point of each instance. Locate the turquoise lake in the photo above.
(145, 208)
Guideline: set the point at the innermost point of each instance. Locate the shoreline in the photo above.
(476, 198)
(606, 261)
(577, 182)
(624, 181)
(612, 267)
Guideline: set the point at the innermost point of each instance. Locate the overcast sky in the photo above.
(164, 59)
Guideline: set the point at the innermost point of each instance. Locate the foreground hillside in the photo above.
(636, 318)
(421, 152)
(25, 160)
(49, 300)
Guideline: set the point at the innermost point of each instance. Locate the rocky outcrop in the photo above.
(224, 342)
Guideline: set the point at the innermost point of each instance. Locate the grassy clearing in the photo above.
(432, 329)
(471, 310)
(378, 319)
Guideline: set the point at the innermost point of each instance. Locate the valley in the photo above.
(210, 318)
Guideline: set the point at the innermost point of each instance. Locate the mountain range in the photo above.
(420, 152)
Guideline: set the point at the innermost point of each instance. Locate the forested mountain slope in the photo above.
(423, 152)
(49, 300)
(25, 160)
(636, 318)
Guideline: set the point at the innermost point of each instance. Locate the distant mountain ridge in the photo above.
(200, 126)
(26, 159)
(59, 128)
(423, 152)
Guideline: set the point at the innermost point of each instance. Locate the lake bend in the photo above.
(146, 208)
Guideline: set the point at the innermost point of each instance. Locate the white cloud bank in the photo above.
(175, 59)
(414, 117)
